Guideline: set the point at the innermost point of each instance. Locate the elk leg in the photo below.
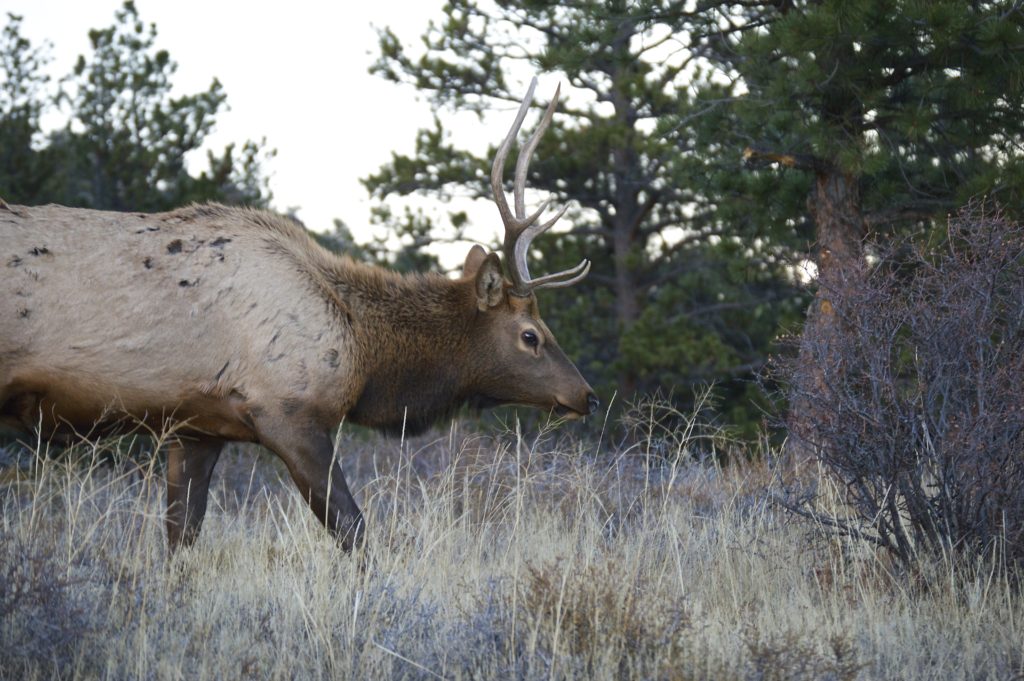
(309, 456)
(189, 467)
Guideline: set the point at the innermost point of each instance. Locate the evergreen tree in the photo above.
(128, 137)
(405, 254)
(682, 291)
(22, 101)
(897, 111)
(126, 140)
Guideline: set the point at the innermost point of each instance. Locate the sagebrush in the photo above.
(914, 395)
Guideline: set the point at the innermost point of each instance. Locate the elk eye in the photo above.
(530, 338)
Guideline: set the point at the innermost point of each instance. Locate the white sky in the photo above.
(294, 72)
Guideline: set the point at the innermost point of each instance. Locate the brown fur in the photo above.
(236, 325)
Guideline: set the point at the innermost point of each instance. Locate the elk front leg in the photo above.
(309, 456)
(189, 467)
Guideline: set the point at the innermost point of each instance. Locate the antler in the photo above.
(521, 229)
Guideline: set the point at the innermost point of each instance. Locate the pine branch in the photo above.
(603, 232)
(753, 156)
(645, 210)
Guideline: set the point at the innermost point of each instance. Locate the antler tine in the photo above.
(556, 281)
(521, 250)
(526, 154)
(498, 166)
(521, 229)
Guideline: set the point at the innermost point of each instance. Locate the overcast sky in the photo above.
(294, 72)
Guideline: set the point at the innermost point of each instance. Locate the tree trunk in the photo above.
(626, 168)
(627, 308)
(839, 225)
(839, 231)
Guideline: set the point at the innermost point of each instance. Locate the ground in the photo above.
(491, 555)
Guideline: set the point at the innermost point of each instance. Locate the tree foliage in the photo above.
(916, 103)
(683, 290)
(125, 144)
(897, 113)
(22, 168)
(854, 118)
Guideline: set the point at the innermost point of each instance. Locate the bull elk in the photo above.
(236, 326)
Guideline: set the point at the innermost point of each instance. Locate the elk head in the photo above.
(525, 363)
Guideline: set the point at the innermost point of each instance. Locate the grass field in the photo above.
(490, 557)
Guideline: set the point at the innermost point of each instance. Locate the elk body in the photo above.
(236, 326)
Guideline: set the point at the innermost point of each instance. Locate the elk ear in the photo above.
(490, 282)
(474, 259)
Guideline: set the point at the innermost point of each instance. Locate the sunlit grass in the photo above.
(489, 557)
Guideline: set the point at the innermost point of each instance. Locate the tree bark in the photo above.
(627, 309)
(626, 167)
(839, 256)
(839, 224)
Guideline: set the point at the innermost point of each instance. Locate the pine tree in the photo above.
(22, 101)
(126, 141)
(128, 138)
(897, 111)
(682, 291)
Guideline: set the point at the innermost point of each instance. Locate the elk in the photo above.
(235, 325)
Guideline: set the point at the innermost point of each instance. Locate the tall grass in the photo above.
(489, 557)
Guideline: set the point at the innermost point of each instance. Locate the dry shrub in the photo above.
(656, 429)
(914, 394)
(594, 619)
(789, 655)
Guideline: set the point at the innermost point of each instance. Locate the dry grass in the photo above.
(491, 557)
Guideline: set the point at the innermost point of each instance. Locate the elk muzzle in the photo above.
(584, 403)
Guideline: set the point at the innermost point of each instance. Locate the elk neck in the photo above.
(413, 335)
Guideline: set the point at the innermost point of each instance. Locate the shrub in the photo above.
(914, 395)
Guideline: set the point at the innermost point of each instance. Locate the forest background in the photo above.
(716, 157)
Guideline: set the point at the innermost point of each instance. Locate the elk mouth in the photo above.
(560, 409)
(564, 411)
(591, 405)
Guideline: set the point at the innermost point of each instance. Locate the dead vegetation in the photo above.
(915, 408)
(509, 556)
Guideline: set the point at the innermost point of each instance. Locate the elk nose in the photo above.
(593, 403)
